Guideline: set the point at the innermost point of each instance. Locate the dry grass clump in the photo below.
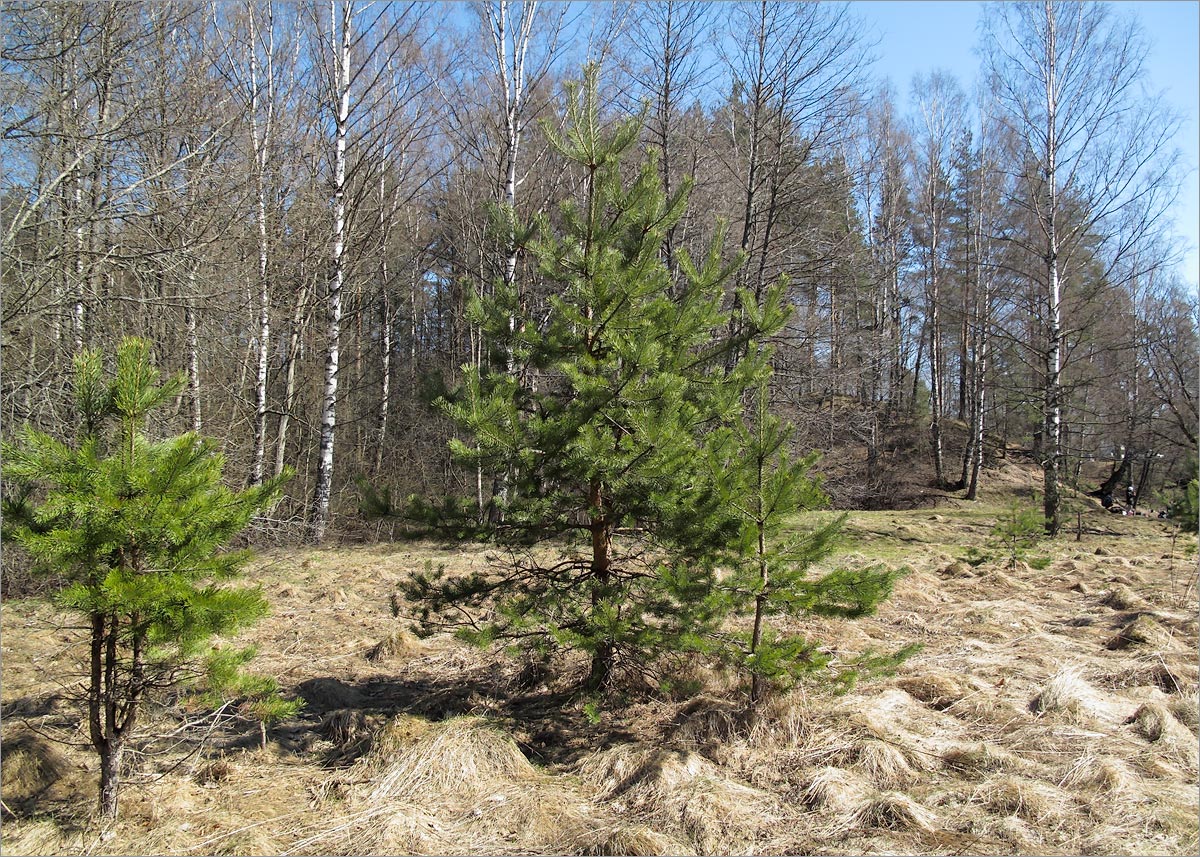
(893, 811)
(1160, 727)
(1186, 712)
(938, 690)
(1121, 597)
(707, 720)
(33, 768)
(958, 569)
(398, 642)
(397, 736)
(1004, 580)
(457, 787)
(346, 727)
(1174, 677)
(1068, 692)
(679, 789)
(627, 840)
(1102, 773)
(34, 837)
(831, 788)
(250, 840)
(791, 721)
(920, 587)
(459, 756)
(1029, 799)
(1144, 631)
(1008, 829)
(884, 763)
(983, 757)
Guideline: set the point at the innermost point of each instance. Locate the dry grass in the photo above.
(398, 643)
(1069, 693)
(1017, 729)
(983, 758)
(894, 811)
(1121, 597)
(884, 764)
(682, 790)
(1034, 801)
(1145, 631)
(832, 788)
(32, 768)
(460, 786)
(1172, 674)
(1105, 774)
(1172, 739)
(34, 837)
(705, 721)
(459, 757)
(938, 690)
(1187, 712)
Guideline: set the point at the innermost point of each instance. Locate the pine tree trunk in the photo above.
(603, 657)
(110, 779)
(758, 685)
(385, 358)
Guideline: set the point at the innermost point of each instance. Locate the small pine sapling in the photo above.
(1017, 532)
(253, 697)
(135, 529)
(767, 486)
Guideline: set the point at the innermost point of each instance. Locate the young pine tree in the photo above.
(135, 528)
(603, 425)
(766, 486)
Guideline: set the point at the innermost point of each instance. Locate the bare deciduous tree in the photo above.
(1093, 164)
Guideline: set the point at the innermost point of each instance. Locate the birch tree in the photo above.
(1094, 164)
(336, 43)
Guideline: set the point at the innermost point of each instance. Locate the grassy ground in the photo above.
(1052, 710)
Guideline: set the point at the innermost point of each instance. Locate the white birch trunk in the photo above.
(333, 309)
(193, 349)
(1052, 425)
(385, 385)
(260, 138)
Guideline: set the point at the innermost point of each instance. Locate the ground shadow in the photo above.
(547, 723)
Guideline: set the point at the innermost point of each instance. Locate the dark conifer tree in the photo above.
(606, 424)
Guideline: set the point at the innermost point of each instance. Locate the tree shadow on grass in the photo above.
(547, 723)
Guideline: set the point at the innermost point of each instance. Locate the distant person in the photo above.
(1130, 496)
(1106, 499)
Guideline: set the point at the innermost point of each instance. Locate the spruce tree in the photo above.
(605, 425)
(135, 529)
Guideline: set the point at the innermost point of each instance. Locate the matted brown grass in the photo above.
(1050, 711)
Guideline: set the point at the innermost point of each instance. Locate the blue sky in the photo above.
(918, 36)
